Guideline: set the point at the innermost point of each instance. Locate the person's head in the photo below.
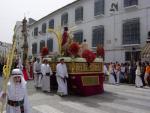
(147, 63)
(84, 40)
(65, 28)
(16, 76)
(17, 79)
(138, 63)
(62, 61)
(30, 62)
(45, 61)
(38, 60)
(34, 59)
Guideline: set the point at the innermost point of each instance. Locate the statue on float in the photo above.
(65, 38)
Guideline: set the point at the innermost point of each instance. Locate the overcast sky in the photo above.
(14, 10)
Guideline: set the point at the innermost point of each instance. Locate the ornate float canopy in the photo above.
(145, 54)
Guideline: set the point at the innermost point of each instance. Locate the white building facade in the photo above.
(4, 49)
(121, 26)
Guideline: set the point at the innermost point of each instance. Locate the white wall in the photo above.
(112, 25)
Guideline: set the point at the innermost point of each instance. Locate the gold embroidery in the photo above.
(90, 80)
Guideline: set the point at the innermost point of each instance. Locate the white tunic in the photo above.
(61, 75)
(111, 76)
(18, 94)
(36, 67)
(138, 80)
(45, 68)
(37, 77)
(105, 69)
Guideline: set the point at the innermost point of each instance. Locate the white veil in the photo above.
(16, 72)
(11, 88)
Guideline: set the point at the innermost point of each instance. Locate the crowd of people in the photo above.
(133, 73)
(17, 99)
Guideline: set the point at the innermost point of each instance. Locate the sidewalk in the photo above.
(106, 82)
(126, 84)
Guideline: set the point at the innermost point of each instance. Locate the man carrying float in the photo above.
(46, 73)
(37, 73)
(61, 76)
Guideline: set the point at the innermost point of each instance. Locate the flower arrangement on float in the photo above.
(89, 56)
(72, 51)
(44, 52)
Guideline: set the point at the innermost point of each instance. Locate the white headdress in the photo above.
(16, 72)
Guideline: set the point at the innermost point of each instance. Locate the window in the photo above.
(131, 31)
(51, 24)
(78, 36)
(127, 56)
(99, 6)
(132, 56)
(128, 3)
(44, 28)
(36, 31)
(98, 36)
(79, 14)
(50, 45)
(64, 19)
(42, 44)
(34, 48)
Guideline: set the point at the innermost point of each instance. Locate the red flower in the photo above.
(44, 51)
(88, 55)
(74, 49)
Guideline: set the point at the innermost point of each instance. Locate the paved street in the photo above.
(115, 99)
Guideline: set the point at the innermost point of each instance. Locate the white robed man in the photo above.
(61, 76)
(46, 73)
(17, 97)
(37, 73)
(111, 74)
(138, 80)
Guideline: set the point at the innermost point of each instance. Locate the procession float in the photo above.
(85, 68)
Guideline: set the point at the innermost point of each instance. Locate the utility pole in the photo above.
(25, 44)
